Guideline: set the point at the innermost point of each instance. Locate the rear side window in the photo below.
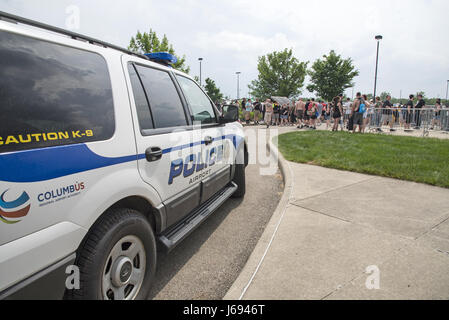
(143, 110)
(52, 95)
(165, 104)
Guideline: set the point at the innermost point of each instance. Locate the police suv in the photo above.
(105, 155)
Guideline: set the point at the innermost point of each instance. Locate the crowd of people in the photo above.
(339, 114)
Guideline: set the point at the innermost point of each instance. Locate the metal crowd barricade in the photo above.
(419, 121)
(426, 119)
(374, 119)
(422, 120)
(377, 119)
(441, 122)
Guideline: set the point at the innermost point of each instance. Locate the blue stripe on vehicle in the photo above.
(51, 163)
(236, 140)
(185, 146)
(55, 162)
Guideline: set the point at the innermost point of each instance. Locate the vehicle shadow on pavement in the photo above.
(169, 264)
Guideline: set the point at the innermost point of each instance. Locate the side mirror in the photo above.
(230, 114)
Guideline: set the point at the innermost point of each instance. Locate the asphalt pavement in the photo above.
(208, 262)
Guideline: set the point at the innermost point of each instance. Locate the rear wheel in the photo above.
(117, 260)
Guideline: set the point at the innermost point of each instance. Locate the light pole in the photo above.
(378, 38)
(238, 84)
(447, 89)
(200, 60)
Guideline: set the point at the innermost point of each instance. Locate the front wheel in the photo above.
(117, 260)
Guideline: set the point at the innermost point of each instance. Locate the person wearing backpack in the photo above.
(312, 111)
(359, 109)
(369, 111)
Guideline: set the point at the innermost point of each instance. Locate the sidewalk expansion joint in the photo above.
(322, 213)
(338, 188)
(432, 228)
(389, 257)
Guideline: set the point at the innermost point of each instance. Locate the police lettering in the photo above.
(194, 163)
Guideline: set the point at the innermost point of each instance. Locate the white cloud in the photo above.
(231, 35)
(242, 43)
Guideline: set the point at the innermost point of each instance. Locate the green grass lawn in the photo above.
(407, 158)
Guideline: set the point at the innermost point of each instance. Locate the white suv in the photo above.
(104, 153)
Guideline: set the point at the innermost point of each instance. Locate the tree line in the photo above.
(147, 42)
(280, 73)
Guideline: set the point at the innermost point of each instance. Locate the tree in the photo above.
(421, 93)
(212, 91)
(383, 96)
(280, 74)
(149, 42)
(331, 76)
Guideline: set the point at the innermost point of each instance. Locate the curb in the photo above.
(248, 273)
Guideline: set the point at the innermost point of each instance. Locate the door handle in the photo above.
(208, 140)
(153, 154)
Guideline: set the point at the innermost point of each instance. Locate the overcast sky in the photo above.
(230, 35)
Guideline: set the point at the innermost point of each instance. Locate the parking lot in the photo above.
(207, 263)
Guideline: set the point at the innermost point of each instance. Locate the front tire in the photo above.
(117, 260)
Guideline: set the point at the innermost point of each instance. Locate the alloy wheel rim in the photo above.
(124, 270)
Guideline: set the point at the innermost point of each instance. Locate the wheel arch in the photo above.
(156, 216)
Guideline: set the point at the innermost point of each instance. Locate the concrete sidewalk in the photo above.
(331, 225)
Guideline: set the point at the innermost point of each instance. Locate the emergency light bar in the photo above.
(162, 57)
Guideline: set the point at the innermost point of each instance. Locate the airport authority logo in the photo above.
(12, 211)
